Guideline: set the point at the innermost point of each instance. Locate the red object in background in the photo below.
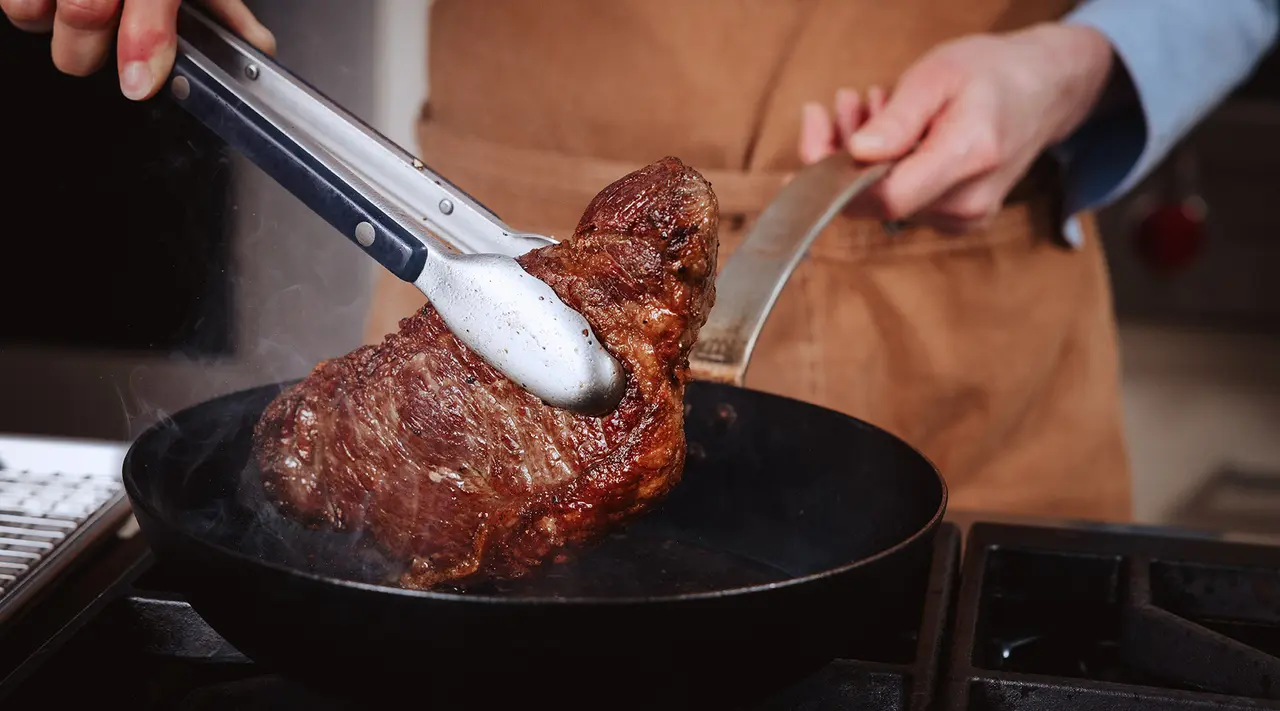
(1172, 235)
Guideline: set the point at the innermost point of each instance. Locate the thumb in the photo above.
(898, 127)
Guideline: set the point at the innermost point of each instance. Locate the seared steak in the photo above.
(459, 473)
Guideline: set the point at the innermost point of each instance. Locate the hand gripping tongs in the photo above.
(415, 223)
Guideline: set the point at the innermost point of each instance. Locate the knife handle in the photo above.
(324, 188)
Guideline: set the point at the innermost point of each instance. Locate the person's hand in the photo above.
(970, 117)
(83, 31)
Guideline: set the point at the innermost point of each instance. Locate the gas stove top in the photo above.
(1034, 617)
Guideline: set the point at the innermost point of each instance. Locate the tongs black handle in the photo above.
(297, 169)
(389, 203)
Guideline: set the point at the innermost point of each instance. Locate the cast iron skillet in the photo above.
(795, 530)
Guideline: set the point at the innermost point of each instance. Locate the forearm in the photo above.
(1175, 61)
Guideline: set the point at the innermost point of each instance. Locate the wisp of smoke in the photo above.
(209, 486)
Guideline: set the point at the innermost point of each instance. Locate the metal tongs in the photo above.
(417, 224)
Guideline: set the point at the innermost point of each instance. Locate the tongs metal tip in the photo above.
(548, 348)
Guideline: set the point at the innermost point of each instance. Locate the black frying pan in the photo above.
(795, 531)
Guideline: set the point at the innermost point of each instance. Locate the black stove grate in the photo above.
(1068, 619)
(1042, 619)
(143, 645)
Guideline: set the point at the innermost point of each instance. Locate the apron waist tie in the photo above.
(545, 191)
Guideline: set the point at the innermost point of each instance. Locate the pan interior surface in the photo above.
(773, 490)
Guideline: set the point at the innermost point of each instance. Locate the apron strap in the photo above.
(545, 191)
(550, 178)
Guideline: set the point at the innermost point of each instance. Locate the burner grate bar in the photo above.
(1161, 642)
(1052, 618)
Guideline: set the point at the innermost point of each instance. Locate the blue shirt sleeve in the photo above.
(1184, 57)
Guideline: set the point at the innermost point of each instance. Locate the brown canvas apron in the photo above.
(994, 353)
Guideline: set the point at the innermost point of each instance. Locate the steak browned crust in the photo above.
(459, 473)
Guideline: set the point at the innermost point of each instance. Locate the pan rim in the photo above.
(934, 521)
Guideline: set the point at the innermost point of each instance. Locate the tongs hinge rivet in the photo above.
(181, 87)
(446, 207)
(364, 234)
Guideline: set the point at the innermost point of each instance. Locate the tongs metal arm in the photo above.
(354, 174)
(415, 223)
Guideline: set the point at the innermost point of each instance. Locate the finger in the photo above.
(82, 34)
(239, 19)
(974, 202)
(954, 152)
(876, 99)
(848, 113)
(904, 118)
(148, 43)
(970, 206)
(952, 214)
(29, 15)
(817, 133)
(967, 207)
